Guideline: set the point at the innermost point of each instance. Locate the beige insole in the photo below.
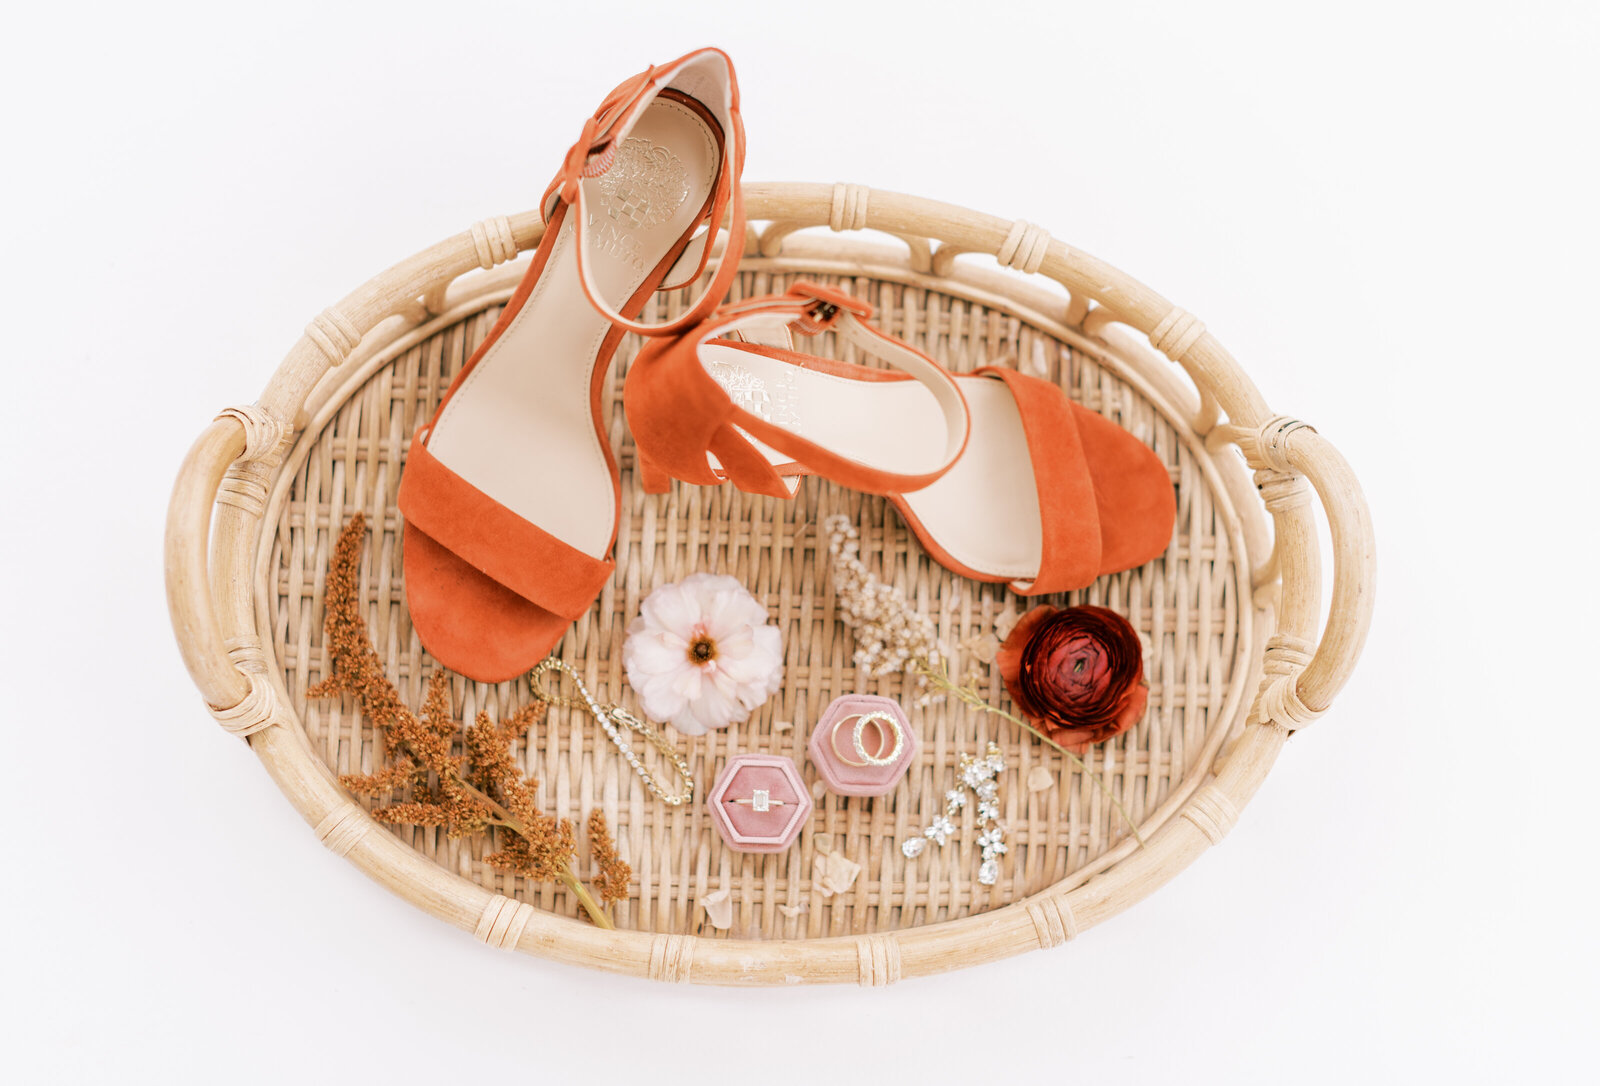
(520, 427)
(984, 511)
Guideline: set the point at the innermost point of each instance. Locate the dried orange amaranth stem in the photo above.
(613, 876)
(468, 793)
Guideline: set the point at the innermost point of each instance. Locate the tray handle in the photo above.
(1303, 673)
(229, 463)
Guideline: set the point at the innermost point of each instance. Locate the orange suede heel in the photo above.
(652, 478)
(510, 493)
(1041, 493)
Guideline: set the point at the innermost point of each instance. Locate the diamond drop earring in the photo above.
(979, 775)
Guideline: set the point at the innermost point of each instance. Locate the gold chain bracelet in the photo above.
(613, 719)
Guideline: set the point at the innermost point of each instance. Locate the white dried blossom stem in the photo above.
(889, 633)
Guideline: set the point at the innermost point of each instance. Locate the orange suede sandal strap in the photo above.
(679, 413)
(1069, 517)
(705, 76)
(680, 417)
(503, 546)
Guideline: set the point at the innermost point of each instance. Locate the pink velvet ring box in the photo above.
(833, 762)
(775, 807)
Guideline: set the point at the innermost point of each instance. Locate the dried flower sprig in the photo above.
(465, 793)
(613, 876)
(891, 636)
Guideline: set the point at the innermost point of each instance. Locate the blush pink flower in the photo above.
(701, 654)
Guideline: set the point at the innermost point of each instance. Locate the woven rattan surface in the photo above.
(1238, 655)
(1193, 607)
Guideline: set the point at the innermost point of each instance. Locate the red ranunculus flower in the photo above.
(1076, 674)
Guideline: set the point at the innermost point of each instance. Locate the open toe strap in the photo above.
(705, 77)
(496, 541)
(1069, 517)
(682, 417)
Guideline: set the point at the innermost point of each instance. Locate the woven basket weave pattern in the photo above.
(1239, 656)
(1185, 605)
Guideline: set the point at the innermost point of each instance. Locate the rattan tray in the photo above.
(1235, 660)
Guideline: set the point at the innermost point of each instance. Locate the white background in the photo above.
(1385, 210)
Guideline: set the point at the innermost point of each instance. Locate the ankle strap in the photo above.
(679, 413)
(705, 76)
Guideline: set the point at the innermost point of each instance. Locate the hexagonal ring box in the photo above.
(759, 803)
(832, 761)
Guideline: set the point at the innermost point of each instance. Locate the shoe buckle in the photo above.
(824, 306)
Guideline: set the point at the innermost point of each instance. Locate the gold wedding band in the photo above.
(834, 740)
